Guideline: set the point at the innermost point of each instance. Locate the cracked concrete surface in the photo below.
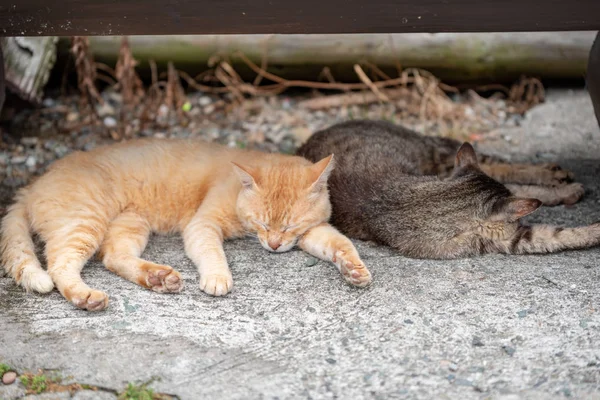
(501, 327)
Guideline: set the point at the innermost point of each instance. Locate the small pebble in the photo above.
(311, 261)
(566, 391)
(477, 341)
(31, 162)
(72, 117)
(61, 150)
(204, 101)
(463, 382)
(110, 122)
(331, 361)
(9, 377)
(105, 110)
(509, 350)
(163, 110)
(48, 102)
(286, 103)
(453, 367)
(89, 146)
(29, 141)
(18, 160)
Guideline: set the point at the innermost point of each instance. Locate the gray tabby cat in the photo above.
(419, 195)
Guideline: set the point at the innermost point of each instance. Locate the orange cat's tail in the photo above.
(18, 252)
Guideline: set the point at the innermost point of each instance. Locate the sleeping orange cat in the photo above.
(109, 201)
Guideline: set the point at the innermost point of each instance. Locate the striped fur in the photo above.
(108, 201)
(421, 196)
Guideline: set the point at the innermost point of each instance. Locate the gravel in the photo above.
(37, 137)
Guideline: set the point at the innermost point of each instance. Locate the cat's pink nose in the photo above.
(274, 244)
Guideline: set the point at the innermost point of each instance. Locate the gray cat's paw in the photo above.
(571, 193)
(556, 175)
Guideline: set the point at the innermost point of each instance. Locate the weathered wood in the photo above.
(593, 76)
(27, 64)
(456, 57)
(136, 17)
(2, 82)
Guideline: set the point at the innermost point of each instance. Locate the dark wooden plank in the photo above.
(2, 82)
(593, 76)
(158, 17)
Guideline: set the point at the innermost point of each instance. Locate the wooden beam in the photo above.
(2, 82)
(160, 17)
(593, 76)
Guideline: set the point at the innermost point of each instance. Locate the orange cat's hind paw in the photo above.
(163, 279)
(88, 299)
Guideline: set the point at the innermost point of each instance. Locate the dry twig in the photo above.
(365, 79)
(86, 69)
(129, 83)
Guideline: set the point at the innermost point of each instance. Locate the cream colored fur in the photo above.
(111, 199)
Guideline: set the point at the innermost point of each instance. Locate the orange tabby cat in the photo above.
(112, 198)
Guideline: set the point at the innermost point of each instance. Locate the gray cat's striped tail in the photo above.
(17, 250)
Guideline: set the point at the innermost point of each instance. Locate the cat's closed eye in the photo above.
(262, 225)
(288, 227)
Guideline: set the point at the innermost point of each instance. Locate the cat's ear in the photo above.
(320, 172)
(514, 208)
(466, 157)
(246, 175)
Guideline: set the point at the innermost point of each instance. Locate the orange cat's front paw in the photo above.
(216, 285)
(352, 269)
(87, 299)
(163, 279)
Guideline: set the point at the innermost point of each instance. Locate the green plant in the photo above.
(40, 382)
(4, 368)
(137, 392)
(35, 383)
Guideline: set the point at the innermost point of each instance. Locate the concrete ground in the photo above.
(500, 327)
